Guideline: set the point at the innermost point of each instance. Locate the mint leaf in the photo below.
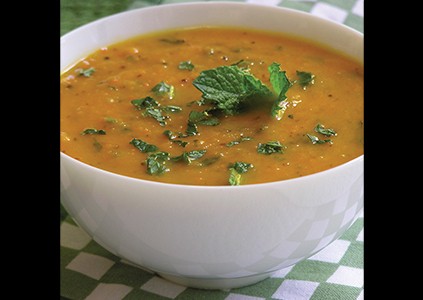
(316, 140)
(93, 131)
(210, 122)
(242, 139)
(171, 108)
(241, 167)
(191, 130)
(189, 156)
(234, 178)
(156, 163)
(278, 79)
(186, 65)
(304, 78)
(172, 138)
(162, 87)
(270, 147)
(196, 116)
(328, 132)
(228, 86)
(236, 170)
(156, 114)
(144, 103)
(281, 85)
(144, 147)
(86, 72)
(202, 118)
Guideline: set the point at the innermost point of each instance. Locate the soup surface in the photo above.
(144, 107)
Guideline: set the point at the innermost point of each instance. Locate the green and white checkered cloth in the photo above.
(88, 271)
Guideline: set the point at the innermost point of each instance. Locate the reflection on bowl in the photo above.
(215, 237)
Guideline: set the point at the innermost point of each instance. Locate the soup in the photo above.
(213, 106)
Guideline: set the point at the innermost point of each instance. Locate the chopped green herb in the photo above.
(156, 114)
(195, 116)
(172, 138)
(156, 163)
(93, 131)
(86, 72)
(189, 156)
(316, 140)
(270, 147)
(328, 132)
(236, 170)
(171, 108)
(210, 122)
(186, 65)
(305, 78)
(228, 87)
(169, 134)
(143, 146)
(191, 130)
(235, 177)
(180, 143)
(241, 167)
(242, 139)
(281, 85)
(144, 103)
(161, 88)
(199, 102)
(202, 118)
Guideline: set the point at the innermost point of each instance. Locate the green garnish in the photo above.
(93, 131)
(247, 138)
(316, 140)
(202, 118)
(171, 108)
(328, 132)
(172, 138)
(161, 88)
(270, 148)
(156, 163)
(236, 170)
(191, 130)
(305, 78)
(86, 72)
(144, 103)
(156, 114)
(320, 129)
(189, 156)
(228, 87)
(144, 147)
(281, 85)
(186, 65)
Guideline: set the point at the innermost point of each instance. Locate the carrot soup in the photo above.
(213, 106)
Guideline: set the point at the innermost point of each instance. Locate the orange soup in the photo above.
(213, 106)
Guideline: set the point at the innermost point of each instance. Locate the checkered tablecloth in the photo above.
(88, 271)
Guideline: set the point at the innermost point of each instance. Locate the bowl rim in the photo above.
(356, 160)
(217, 3)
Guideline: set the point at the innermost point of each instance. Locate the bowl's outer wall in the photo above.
(211, 232)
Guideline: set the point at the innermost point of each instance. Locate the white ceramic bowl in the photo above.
(215, 237)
